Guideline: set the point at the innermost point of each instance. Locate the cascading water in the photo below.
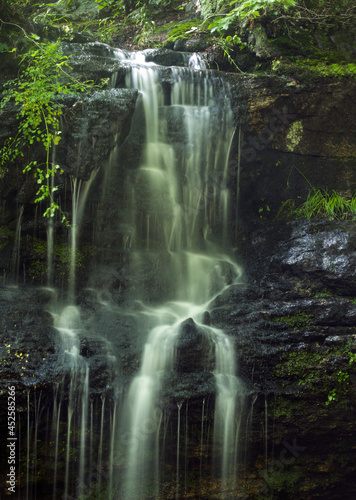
(80, 190)
(68, 323)
(185, 199)
(173, 232)
(15, 268)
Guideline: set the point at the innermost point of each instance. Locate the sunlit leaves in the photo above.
(249, 9)
(37, 93)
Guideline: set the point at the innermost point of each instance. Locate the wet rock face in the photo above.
(293, 137)
(187, 387)
(29, 348)
(293, 321)
(92, 128)
(301, 256)
(166, 57)
(324, 252)
(194, 349)
(293, 318)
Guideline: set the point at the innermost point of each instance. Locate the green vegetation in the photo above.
(295, 321)
(323, 69)
(288, 27)
(321, 203)
(37, 260)
(331, 205)
(303, 366)
(178, 31)
(37, 92)
(305, 38)
(309, 370)
(323, 293)
(227, 45)
(144, 39)
(342, 382)
(311, 69)
(249, 10)
(116, 7)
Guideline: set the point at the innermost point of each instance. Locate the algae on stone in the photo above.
(294, 135)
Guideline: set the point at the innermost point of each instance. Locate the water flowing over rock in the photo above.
(194, 354)
(158, 249)
(184, 338)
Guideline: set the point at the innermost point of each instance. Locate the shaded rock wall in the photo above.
(294, 325)
(92, 127)
(295, 138)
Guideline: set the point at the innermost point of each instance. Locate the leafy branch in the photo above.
(249, 10)
(43, 80)
(227, 45)
(323, 13)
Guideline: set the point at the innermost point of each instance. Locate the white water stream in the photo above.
(182, 183)
(187, 197)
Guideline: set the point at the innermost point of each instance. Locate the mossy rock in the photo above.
(191, 45)
(165, 57)
(259, 43)
(281, 482)
(35, 256)
(313, 70)
(6, 236)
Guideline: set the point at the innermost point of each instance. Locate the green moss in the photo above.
(324, 293)
(317, 372)
(286, 45)
(304, 366)
(324, 69)
(6, 236)
(312, 69)
(284, 408)
(317, 42)
(294, 135)
(307, 288)
(295, 321)
(284, 482)
(37, 269)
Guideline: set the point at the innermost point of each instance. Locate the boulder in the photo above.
(194, 349)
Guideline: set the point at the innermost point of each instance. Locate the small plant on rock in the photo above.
(331, 205)
(43, 81)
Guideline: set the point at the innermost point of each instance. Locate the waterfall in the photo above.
(228, 407)
(183, 199)
(80, 190)
(15, 264)
(170, 229)
(68, 324)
